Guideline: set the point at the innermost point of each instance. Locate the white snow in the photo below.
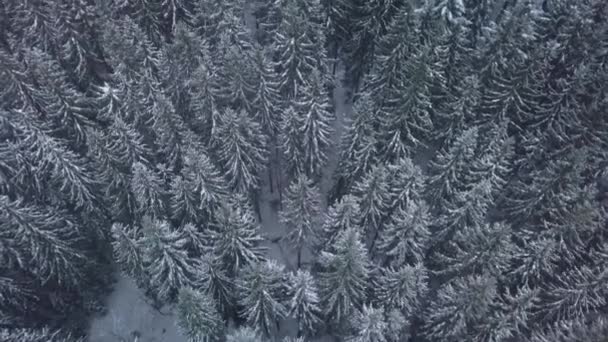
(129, 314)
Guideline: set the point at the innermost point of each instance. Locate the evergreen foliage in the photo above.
(465, 143)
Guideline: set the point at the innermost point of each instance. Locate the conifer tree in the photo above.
(42, 241)
(448, 171)
(301, 212)
(127, 249)
(374, 200)
(266, 101)
(480, 248)
(213, 279)
(316, 121)
(460, 306)
(304, 304)
(68, 110)
(291, 142)
(167, 262)
(342, 215)
(403, 288)
(148, 189)
(197, 316)
(36, 335)
(235, 238)
(244, 334)
(200, 192)
(241, 148)
(262, 295)
(369, 325)
(358, 150)
(407, 233)
(296, 52)
(405, 104)
(344, 280)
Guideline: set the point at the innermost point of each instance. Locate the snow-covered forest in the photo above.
(303, 170)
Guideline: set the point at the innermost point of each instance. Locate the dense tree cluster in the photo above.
(468, 187)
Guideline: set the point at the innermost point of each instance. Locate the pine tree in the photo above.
(510, 318)
(197, 316)
(460, 305)
(262, 294)
(448, 171)
(127, 249)
(370, 325)
(291, 142)
(358, 150)
(32, 23)
(266, 101)
(50, 164)
(213, 279)
(167, 262)
(407, 234)
(235, 238)
(374, 200)
(68, 110)
(480, 248)
(241, 148)
(301, 212)
(79, 50)
(296, 55)
(148, 189)
(200, 192)
(244, 334)
(403, 288)
(341, 216)
(234, 83)
(344, 279)
(304, 303)
(36, 335)
(405, 107)
(406, 183)
(316, 121)
(42, 240)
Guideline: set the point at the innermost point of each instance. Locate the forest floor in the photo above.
(129, 313)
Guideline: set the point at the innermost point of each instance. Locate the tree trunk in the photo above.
(299, 257)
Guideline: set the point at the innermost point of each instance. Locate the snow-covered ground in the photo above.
(129, 315)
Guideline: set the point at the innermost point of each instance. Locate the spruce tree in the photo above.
(374, 200)
(197, 316)
(241, 148)
(369, 325)
(316, 125)
(148, 189)
(342, 215)
(448, 171)
(214, 280)
(36, 335)
(359, 148)
(235, 238)
(262, 294)
(304, 304)
(403, 288)
(166, 259)
(405, 238)
(300, 213)
(344, 279)
(244, 334)
(291, 142)
(127, 249)
(459, 306)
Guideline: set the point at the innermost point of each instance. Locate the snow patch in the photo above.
(129, 315)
